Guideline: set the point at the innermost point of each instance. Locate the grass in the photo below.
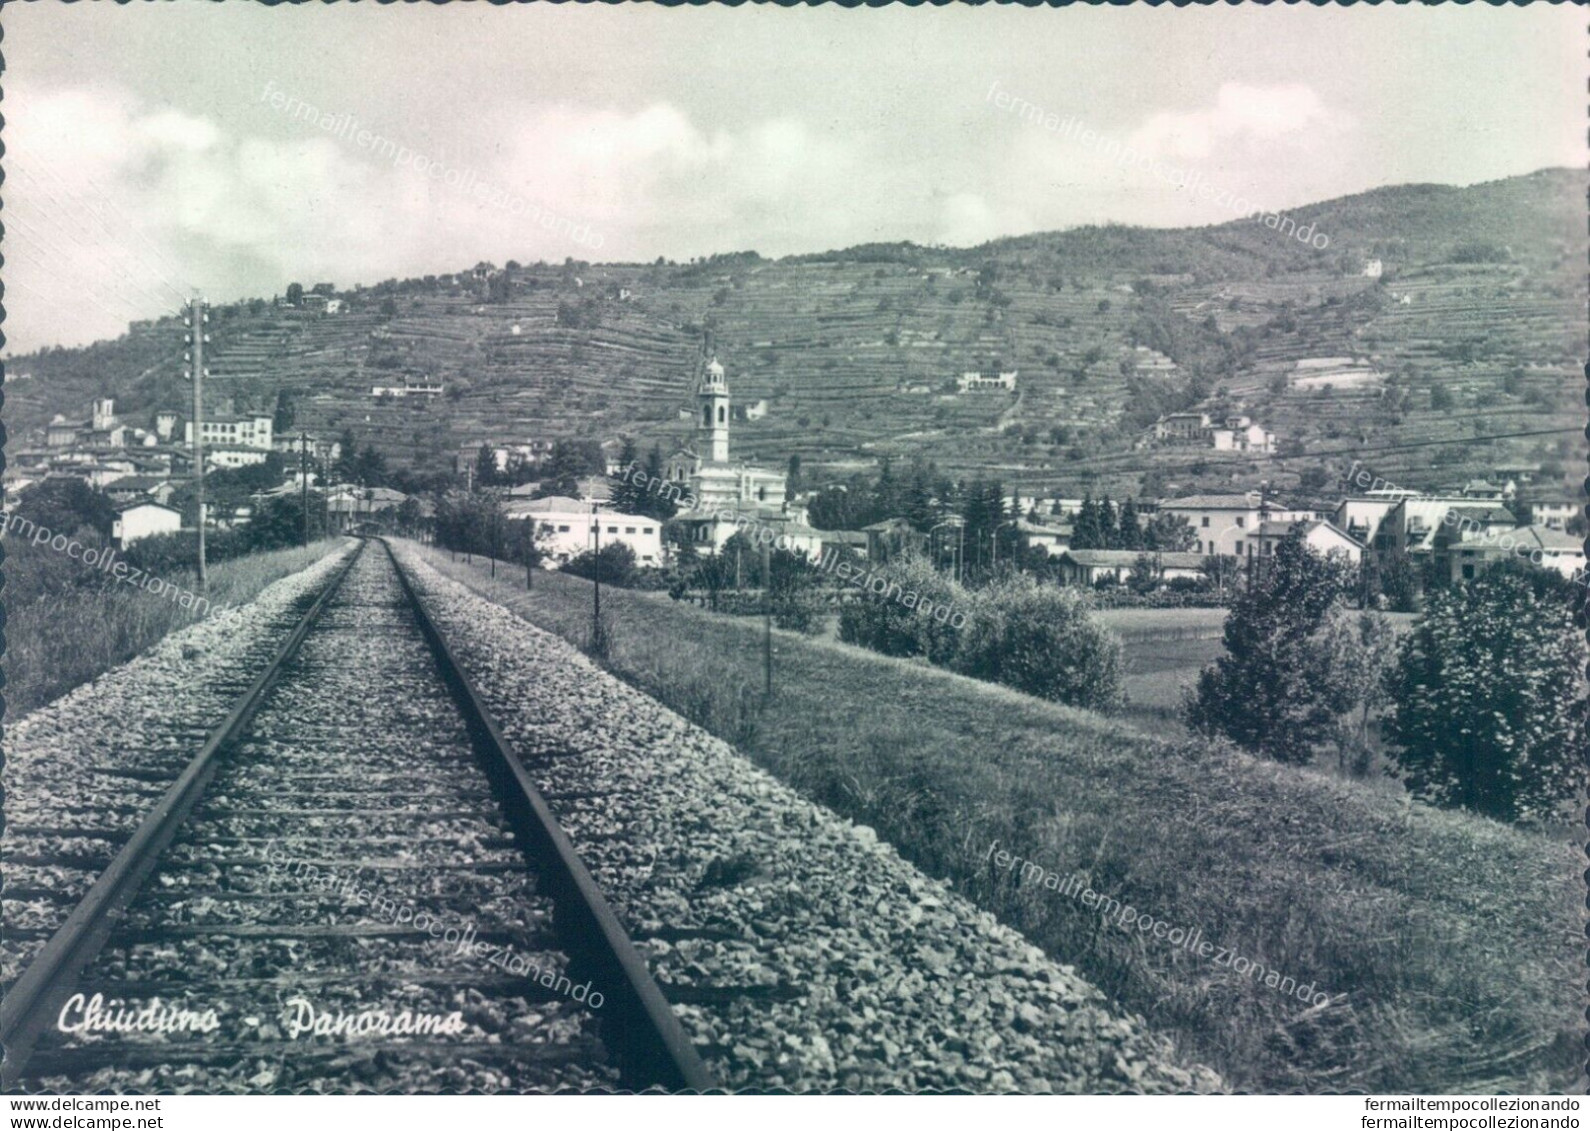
(1451, 947)
(69, 633)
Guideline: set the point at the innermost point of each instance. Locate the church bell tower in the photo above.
(712, 421)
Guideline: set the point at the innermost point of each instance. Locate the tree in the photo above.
(1358, 647)
(371, 467)
(655, 502)
(1085, 531)
(282, 419)
(65, 506)
(1144, 577)
(295, 294)
(1399, 581)
(1271, 692)
(624, 496)
(1486, 707)
(1130, 534)
(1169, 533)
(346, 468)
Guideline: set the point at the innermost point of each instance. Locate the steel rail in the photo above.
(30, 1006)
(639, 1027)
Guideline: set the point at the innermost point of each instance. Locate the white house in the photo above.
(234, 455)
(1182, 427)
(1054, 540)
(567, 528)
(1221, 523)
(240, 431)
(1323, 537)
(1092, 567)
(709, 529)
(1547, 548)
(142, 519)
(1231, 434)
(1240, 434)
(976, 382)
(1555, 513)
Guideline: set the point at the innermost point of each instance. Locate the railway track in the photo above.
(352, 884)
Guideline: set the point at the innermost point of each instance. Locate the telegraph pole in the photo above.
(303, 479)
(767, 623)
(196, 339)
(596, 572)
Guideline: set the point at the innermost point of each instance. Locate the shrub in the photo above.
(884, 622)
(616, 563)
(1488, 714)
(1041, 640)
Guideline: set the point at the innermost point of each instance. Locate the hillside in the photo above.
(855, 352)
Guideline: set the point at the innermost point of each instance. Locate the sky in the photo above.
(155, 149)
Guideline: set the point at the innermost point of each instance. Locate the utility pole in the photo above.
(596, 572)
(303, 479)
(767, 623)
(493, 505)
(196, 339)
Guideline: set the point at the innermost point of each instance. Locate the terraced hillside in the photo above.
(1473, 327)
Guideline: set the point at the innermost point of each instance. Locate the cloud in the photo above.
(242, 208)
(1241, 114)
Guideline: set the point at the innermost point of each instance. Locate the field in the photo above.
(67, 635)
(1449, 947)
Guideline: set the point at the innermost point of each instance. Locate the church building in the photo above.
(723, 495)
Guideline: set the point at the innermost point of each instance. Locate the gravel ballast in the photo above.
(800, 952)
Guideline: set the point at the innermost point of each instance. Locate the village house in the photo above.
(1053, 540)
(974, 382)
(1239, 434)
(1097, 567)
(233, 456)
(142, 520)
(422, 388)
(1221, 523)
(1540, 545)
(252, 431)
(1413, 525)
(1555, 513)
(1321, 536)
(567, 528)
(135, 488)
(349, 506)
(1235, 433)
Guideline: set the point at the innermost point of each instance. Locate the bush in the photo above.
(884, 622)
(1488, 712)
(616, 563)
(1041, 640)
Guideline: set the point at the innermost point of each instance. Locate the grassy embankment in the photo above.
(65, 632)
(1450, 946)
